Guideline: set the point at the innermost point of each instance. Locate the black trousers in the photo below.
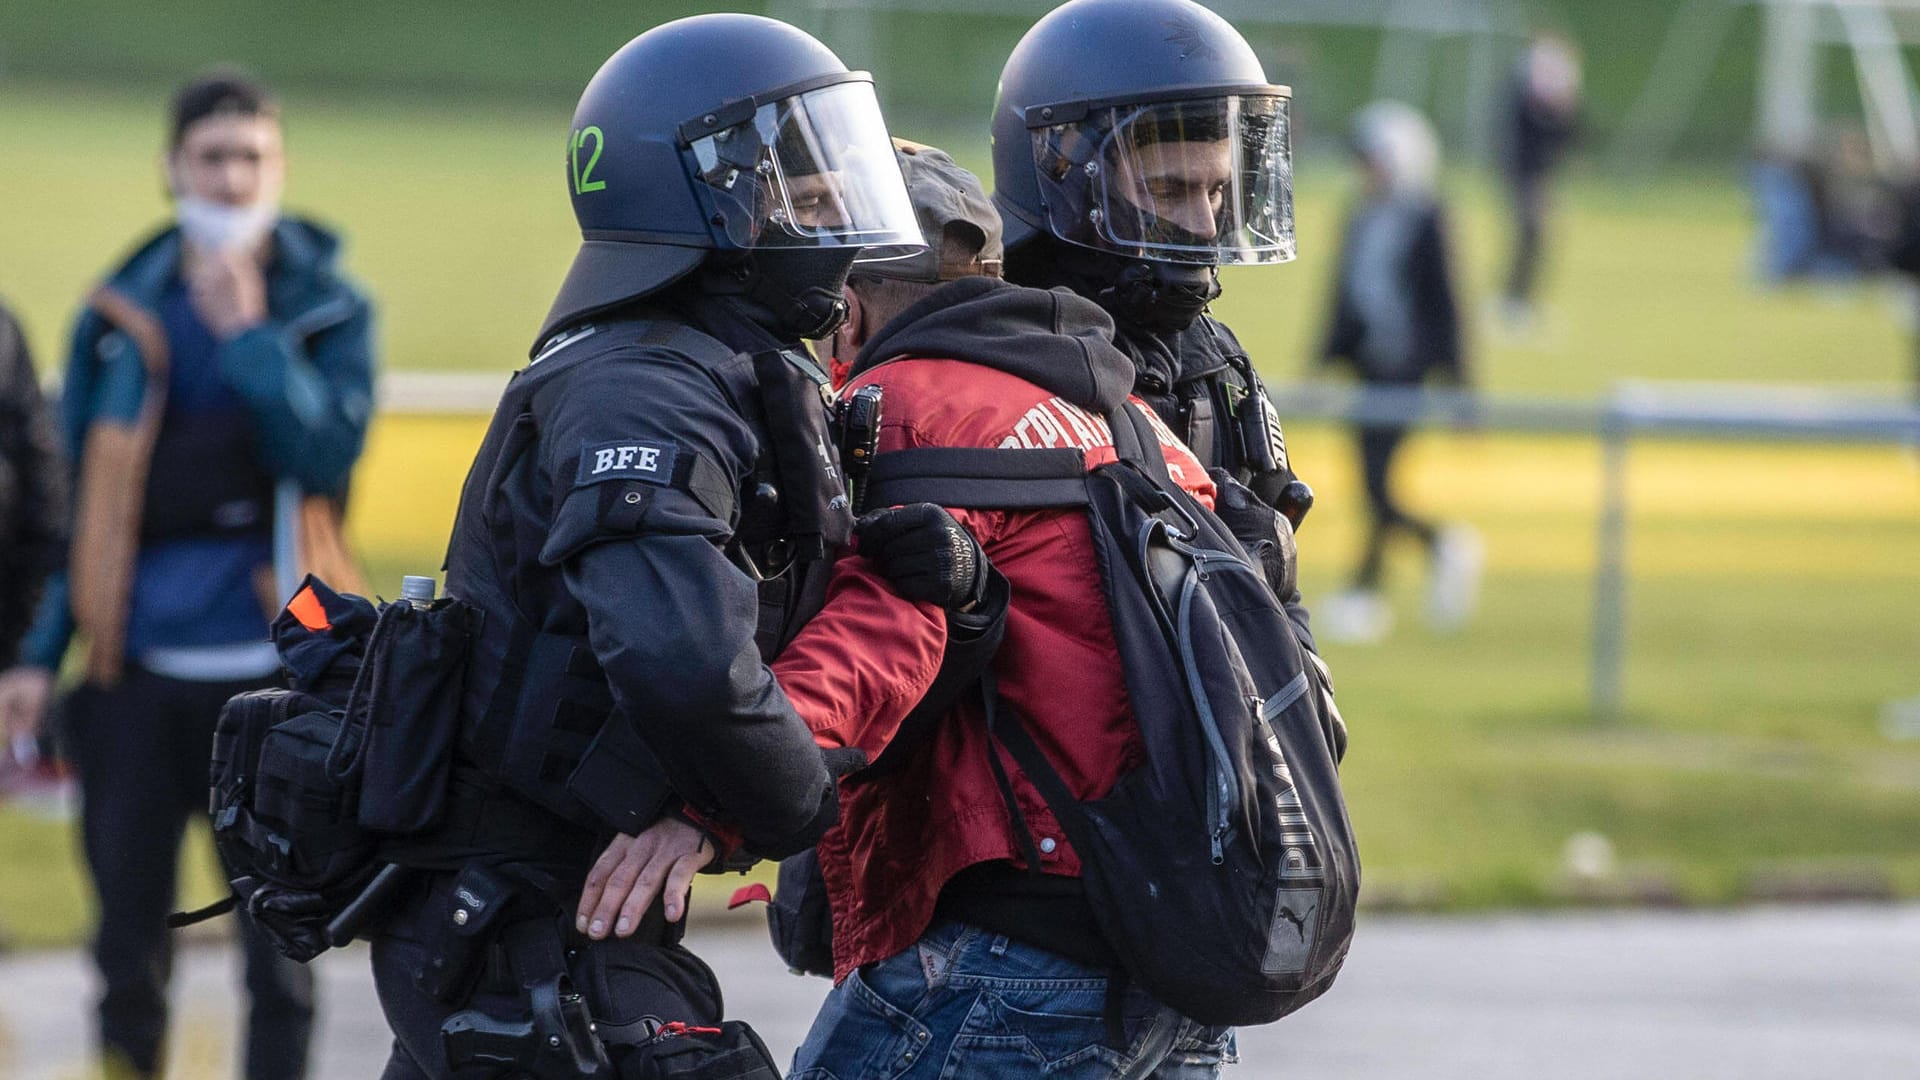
(1529, 195)
(634, 984)
(1378, 447)
(142, 749)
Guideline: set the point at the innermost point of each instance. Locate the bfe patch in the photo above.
(627, 459)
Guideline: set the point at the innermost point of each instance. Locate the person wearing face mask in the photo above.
(652, 517)
(216, 398)
(1138, 148)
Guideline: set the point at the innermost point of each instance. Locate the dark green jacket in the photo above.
(305, 376)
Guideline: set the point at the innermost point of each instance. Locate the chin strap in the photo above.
(1160, 297)
(804, 291)
(811, 313)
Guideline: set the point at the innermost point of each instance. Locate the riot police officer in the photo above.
(1137, 148)
(649, 519)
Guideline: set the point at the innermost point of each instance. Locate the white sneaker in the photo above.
(1353, 617)
(1520, 317)
(1454, 591)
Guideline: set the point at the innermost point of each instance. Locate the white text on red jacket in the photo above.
(1056, 423)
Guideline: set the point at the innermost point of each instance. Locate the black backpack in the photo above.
(1222, 869)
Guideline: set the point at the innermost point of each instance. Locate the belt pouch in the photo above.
(620, 780)
(732, 1051)
(463, 931)
(408, 699)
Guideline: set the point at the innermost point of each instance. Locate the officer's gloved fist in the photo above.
(1263, 531)
(295, 919)
(927, 555)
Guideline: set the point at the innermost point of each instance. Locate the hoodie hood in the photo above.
(1053, 338)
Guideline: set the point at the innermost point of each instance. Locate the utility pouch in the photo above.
(466, 931)
(287, 829)
(813, 498)
(293, 791)
(620, 780)
(322, 637)
(1202, 427)
(731, 1051)
(405, 708)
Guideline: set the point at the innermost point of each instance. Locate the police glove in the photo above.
(926, 555)
(295, 920)
(1263, 531)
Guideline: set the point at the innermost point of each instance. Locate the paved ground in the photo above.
(1822, 992)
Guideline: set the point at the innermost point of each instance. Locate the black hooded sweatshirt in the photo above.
(1052, 338)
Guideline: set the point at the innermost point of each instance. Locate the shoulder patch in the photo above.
(627, 459)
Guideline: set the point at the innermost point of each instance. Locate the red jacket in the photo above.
(902, 836)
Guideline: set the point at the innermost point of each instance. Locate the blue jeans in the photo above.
(963, 1002)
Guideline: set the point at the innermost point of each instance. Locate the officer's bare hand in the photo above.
(23, 700)
(633, 870)
(229, 291)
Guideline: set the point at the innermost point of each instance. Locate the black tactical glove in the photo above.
(1263, 531)
(295, 920)
(927, 555)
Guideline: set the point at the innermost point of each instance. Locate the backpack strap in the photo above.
(1024, 750)
(979, 478)
(1007, 478)
(219, 907)
(1134, 440)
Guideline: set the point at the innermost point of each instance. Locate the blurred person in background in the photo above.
(33, 518)
(1542, 121)
(1859, 206)
(1137, 149)
(1902, 255)
(216, 398)
(1396, 323)
(1788, 184)
(1827, 213)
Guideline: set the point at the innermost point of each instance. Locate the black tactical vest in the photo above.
(1202, 384)
(536, 702)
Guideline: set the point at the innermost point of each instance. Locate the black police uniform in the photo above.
(649, 520)
(636, 480)
(1192, 370)
(1203, 385)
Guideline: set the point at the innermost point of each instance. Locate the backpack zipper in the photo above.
(1225, 782)
(1224, 786)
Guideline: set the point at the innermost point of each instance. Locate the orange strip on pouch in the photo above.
(306, 607)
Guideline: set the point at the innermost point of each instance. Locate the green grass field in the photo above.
(1763, 641)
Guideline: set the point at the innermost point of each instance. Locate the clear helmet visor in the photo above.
(812, 170)
(1208, 180)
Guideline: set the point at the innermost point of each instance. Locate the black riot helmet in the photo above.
(723, 133)
(1146, 131)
